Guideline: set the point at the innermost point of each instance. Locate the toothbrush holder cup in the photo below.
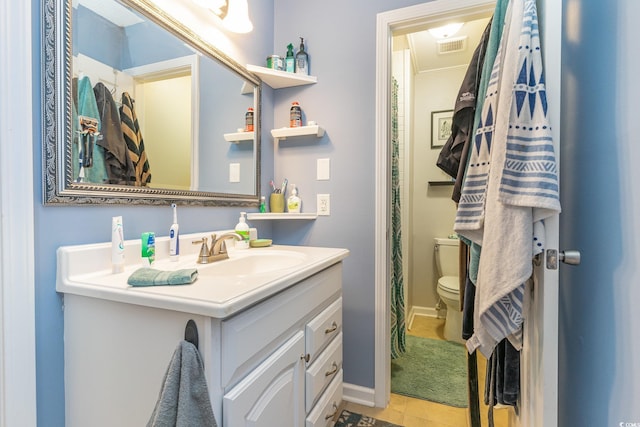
(276, 202)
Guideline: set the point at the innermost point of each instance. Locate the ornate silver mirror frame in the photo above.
(58, 185)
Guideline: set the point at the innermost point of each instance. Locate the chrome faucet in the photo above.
(218, 249)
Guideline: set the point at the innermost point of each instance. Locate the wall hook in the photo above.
(191, 332)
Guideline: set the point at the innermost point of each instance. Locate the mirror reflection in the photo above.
(150, 104)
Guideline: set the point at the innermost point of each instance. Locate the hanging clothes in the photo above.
(75, 131)
(118, 163)
(511, 184)
(453, 156)
(93, 168)
(134, 141)
(398, 328)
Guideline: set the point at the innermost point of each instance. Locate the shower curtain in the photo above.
(398, 343)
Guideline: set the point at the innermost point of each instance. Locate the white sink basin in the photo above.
(222, 289)
(255, 261)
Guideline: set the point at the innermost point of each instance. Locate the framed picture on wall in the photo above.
(440, 127)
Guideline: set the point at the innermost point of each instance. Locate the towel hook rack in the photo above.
(191, 332)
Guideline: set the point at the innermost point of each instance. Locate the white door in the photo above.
(539, 368)
(540, 357)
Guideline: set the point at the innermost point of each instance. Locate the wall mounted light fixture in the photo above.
(233, 13)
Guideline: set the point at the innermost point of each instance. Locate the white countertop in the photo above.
(85, 270)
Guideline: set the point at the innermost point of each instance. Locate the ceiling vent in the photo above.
(452, 45)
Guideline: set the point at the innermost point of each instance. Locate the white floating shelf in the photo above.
(238, 137)
(285, 215)
(278, 79)
(283, 133)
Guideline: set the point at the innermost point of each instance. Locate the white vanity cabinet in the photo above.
(274, 361)
(284, 387)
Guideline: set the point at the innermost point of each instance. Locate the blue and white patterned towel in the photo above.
(511, 181)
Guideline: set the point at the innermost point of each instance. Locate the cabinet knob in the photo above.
(305, 357)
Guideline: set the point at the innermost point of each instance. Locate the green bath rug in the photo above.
(433, 370)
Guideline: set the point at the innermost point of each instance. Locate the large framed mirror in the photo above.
(138, 109)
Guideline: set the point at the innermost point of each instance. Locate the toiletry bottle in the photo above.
(302, 60)
(293, 202)
(242, 228)
(117, 245)
(295, 115)
(248, 120)
(289, 60)
(148, 248)
(263, 206)
(174, 236)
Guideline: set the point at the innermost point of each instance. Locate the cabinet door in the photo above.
(273, 393)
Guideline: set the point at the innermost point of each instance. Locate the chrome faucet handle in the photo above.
(203, 256)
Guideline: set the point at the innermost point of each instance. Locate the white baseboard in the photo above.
(422, 311)
(358, 394)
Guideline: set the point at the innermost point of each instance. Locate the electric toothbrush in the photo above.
(174, 236)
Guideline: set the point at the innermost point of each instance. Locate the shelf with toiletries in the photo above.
(277, 79)
(309, 130)
(283, 215)
(238, 137)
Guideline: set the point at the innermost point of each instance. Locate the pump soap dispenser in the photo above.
(293, 202)
(302, 60)
(242, 228)
(289, 61)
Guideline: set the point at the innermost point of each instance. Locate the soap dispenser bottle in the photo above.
(302, 60)
(289, 61)
(242, 228)
(293, 202)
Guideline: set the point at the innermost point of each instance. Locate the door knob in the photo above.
(571, 257)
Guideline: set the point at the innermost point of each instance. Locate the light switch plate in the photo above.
(323, 173)
(234, 172)
(324, 204)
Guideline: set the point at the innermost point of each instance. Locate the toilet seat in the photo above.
(450, 284)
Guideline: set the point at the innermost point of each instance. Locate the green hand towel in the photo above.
(150, 277)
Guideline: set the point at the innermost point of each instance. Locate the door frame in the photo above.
(17, 281)
(412, 19)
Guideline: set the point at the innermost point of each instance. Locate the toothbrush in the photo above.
(284, 185)
(273, 187)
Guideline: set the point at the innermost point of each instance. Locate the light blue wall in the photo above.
(599, 342)
(66, 225)
(599, 317)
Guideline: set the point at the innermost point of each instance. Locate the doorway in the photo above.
(401, 21)
(540, 376)
(428, 70)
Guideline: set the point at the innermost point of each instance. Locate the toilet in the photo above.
(448, 288)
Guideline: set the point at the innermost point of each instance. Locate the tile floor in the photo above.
(411, 412)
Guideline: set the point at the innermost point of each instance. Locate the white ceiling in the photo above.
(424, 49)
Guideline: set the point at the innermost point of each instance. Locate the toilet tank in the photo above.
(446, 251)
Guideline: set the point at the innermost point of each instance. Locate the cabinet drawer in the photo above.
(325, 411)
(323, 328)
(322, 371)
(249, 337)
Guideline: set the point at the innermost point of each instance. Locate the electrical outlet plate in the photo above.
(324, 204)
